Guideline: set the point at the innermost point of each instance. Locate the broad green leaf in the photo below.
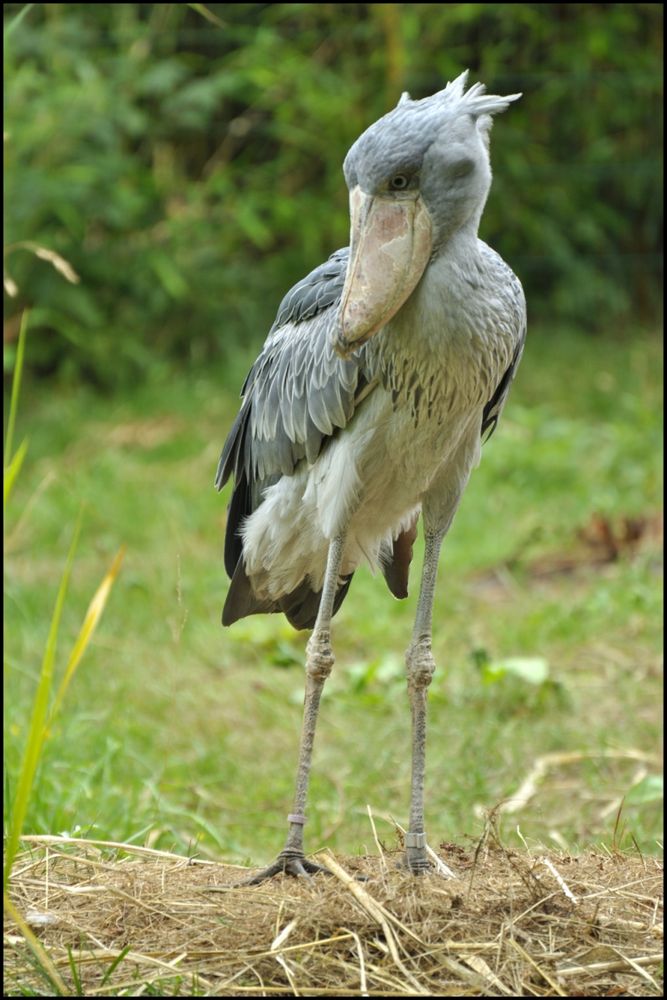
(534, 670)
(649, 789)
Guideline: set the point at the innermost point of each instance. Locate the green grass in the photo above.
(184, 735)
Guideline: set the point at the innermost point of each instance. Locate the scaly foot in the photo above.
(417, 861)
(287, 863)
(420, 860)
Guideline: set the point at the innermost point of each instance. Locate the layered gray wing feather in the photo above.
(300, 391)
(297, 395)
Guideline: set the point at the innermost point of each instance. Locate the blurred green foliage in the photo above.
(190, 171)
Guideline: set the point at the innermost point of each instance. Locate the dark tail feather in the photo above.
(300, 607)
(241, 600)
(230, 459)
(342, 593)
(396, 570)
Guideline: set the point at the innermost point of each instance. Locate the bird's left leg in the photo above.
(319, 661)
(420, 667)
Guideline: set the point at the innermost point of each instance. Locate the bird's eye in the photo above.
(399, 182)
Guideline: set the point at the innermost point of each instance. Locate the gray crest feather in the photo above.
(489, 104)
(474, 100)
(455, 88)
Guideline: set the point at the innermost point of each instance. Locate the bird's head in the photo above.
(417, 176)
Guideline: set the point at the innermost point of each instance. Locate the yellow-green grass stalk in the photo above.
(46, 966)
(42, 718)
(93, 615)
(37, 728)
(13, 463)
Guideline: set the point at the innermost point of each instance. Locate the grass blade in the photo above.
(42, 718)
(16, 20)
(13, 469)
(16, 385)
(46, 965)
(75, 972)
(37, 729)
(116, 962)
(93, 615)
(208, 14)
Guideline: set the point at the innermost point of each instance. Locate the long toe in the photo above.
(302, 866)
(292, 864)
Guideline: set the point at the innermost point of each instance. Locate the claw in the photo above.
(296, 865)
(287, 864)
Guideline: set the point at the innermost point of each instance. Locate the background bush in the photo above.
(190, 169)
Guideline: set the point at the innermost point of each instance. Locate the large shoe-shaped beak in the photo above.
(390, 245)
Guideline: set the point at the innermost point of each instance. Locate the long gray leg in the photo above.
(420, 667)
(319, 661)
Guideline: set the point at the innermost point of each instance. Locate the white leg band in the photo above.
(415, 840)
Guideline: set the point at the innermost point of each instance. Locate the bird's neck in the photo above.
(444, 307)
(462, 243)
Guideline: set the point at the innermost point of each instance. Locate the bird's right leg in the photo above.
(420, 667)
(319, 661)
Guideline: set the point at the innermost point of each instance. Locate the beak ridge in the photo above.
(390, 245)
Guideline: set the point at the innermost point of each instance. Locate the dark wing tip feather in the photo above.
(493, 409)
(232, 449)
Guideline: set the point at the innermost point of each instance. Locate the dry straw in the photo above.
(116, 919)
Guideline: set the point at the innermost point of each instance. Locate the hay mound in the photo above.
(101, 919)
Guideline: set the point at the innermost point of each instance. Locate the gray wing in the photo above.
(515, 314)
(297, 395)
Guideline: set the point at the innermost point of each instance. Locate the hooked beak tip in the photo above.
(390, 244)
(344, 347)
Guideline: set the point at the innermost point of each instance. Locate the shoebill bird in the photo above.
(366, 408)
